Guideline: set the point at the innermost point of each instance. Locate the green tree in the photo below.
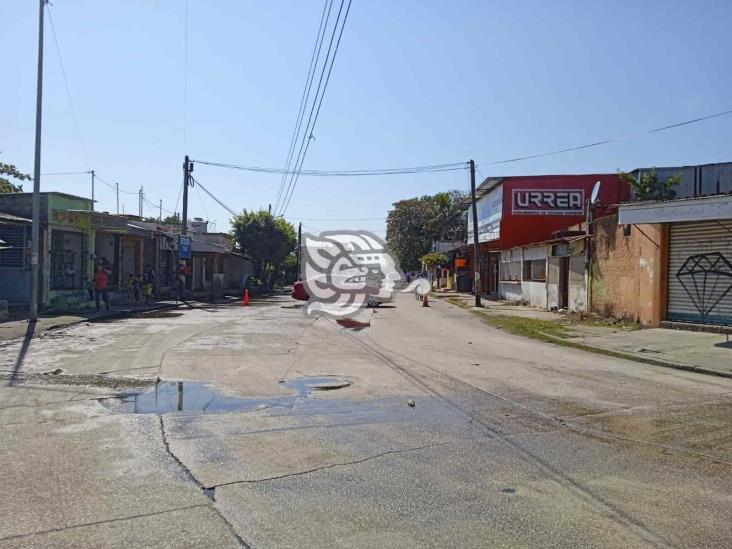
(649, 187)
(449, 216)
(8, 172)
(267, 240)
(414, 223)
(433, 259)
(169, 220)
(407, 233)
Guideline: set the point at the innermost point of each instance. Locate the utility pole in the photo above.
(299, 248)
(182, 261)
(36, 229)
(160, 215)
(476, 244)
(92, 174)
(116, 186)
(187, 169)
(139, 202)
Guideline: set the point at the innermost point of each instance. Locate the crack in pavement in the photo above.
(332, 465)
(98, 522)
(192, 478)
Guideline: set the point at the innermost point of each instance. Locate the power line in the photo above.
(305, 93)
(185, 80)
(610, 140)
(308, 134)
(200, 199)
(342, 173)
(67, 173)
(335, 219)
(115, 187)
(231, 211)
(68, 89)
(456, 165)
(157, 206)
(177, 200)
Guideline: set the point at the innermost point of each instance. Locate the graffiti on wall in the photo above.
(70, 219)
(707, 279)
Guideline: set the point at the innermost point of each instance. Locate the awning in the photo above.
(670, 211)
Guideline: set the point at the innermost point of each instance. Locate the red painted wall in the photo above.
(520, 230)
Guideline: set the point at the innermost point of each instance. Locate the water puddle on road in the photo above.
(200, 398)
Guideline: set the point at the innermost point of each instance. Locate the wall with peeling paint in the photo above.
(628, 271)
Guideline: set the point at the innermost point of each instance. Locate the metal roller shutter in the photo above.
(700, 272)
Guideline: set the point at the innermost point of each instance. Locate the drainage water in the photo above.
(200, 398)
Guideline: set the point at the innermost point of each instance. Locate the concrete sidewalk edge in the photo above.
(612, 352)
(124, 313)
(629, 356)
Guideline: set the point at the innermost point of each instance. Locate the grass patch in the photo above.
(545, 330)
(556, 332)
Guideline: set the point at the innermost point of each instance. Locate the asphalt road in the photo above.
(450, 433)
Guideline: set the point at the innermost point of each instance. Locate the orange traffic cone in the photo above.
(425, 301)
(246, 297)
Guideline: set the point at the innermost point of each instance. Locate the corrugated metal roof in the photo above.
(8, 218)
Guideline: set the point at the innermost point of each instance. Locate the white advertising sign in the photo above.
(700, 209)
(490, 211)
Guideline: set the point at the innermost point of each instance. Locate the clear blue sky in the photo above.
(415, 82)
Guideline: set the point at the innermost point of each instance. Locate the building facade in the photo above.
(519, 218)
(74, 239)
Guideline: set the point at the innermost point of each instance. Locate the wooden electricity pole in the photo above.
(476, 244)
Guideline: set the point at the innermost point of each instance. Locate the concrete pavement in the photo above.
(511, 442)
(703, 352)
(20, 327)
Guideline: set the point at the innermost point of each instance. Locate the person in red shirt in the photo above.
(101, 285)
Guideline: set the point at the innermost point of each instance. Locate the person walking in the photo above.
(148, 278)
(101, 286)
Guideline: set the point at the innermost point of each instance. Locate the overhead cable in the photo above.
(343, 173)
(224, 206)
(67, 173)
(459, 165)
(305, 93)
(308, 134)
(68, 89)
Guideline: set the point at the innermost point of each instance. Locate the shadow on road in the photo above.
(30, 330)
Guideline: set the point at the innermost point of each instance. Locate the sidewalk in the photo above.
(12, 329)
(702, 352)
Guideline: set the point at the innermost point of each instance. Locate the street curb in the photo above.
(111, 315)
(608, 352)
(635, 358)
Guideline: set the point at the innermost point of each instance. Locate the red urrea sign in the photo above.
(548, 202)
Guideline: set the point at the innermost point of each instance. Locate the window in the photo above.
(535, 270)
(511, 270)
(13, 257)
